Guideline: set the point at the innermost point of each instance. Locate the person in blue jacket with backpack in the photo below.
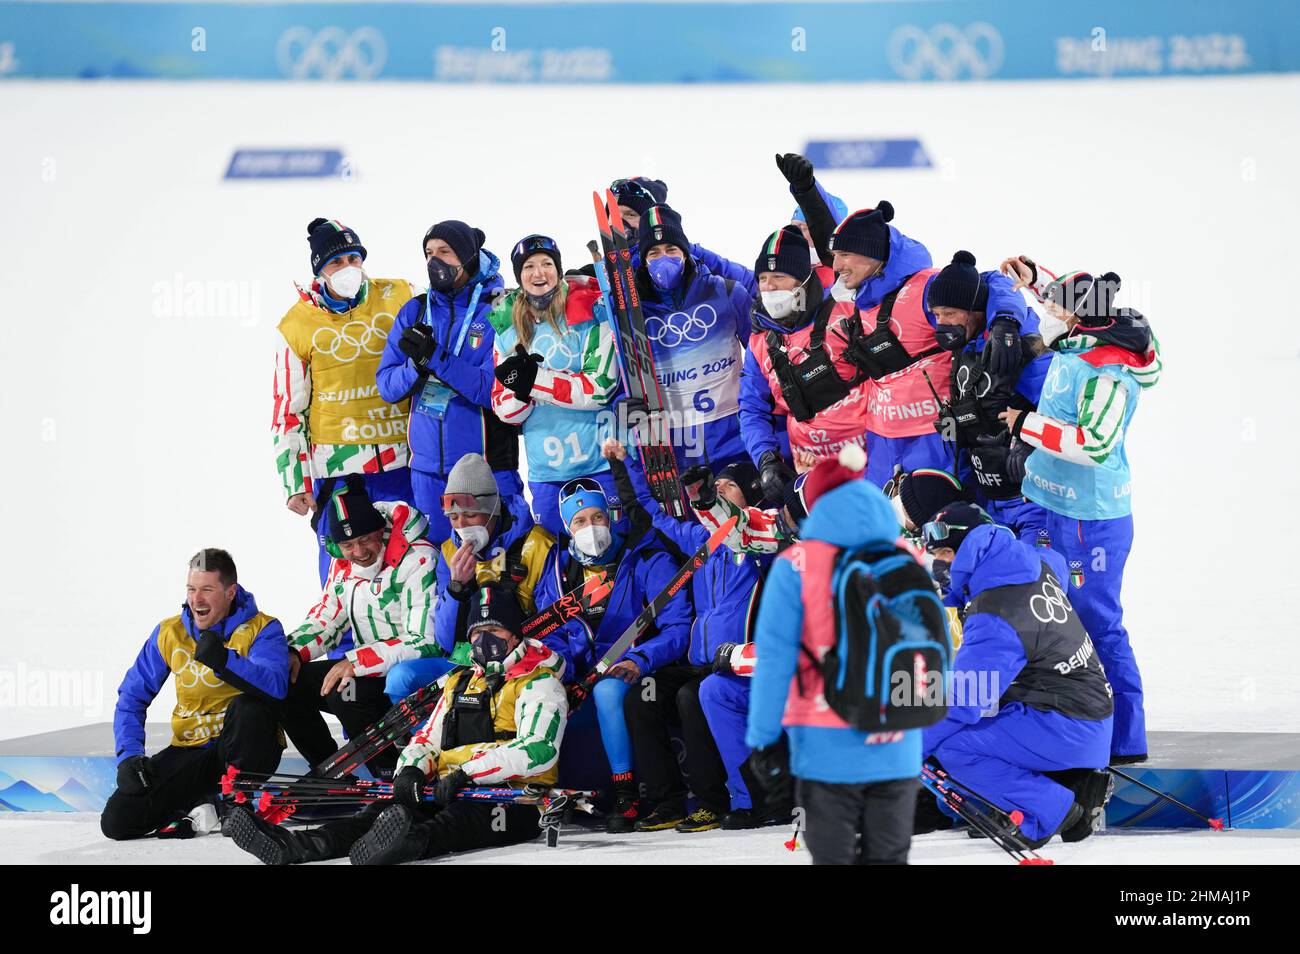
(857, 789)
(437, 352)
(724, 594)
(639, 565)
(1042, 703)
(697, 324)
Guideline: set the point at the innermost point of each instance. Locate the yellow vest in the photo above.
(201, 696)
(342, 352)
(537, 544)
(503, 721)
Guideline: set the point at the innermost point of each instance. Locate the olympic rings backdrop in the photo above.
(898, 40)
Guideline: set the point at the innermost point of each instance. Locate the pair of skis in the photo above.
(415, 709)
(636, 361)
(281, 794)
(579, 691)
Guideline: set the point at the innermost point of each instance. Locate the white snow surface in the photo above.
(53, 838)
(137, 432)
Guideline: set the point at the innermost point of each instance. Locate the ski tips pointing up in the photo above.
(720, 534)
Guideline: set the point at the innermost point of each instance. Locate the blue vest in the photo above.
(1101, 492)
(560, 443)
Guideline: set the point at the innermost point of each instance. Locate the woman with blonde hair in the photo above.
(555, 372)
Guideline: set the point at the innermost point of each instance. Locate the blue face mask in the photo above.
(666, 271)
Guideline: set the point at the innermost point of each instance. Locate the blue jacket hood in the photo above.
(852, 515)
(991, 556)
(243, 609)
(906, 257)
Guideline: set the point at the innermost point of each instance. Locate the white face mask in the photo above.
(346, 282)
(592, 540)
(841, 292)
(476, 537)
(779, 304)
(368, 572)
(1051, 328)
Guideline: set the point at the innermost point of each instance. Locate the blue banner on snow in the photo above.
(867, 154)
(286, 164)
(898, 40)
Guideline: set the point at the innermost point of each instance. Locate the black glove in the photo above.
(797, 170)
(406, 786)
(769, 771)
(1005, 359)
(773, 474)
(134, 775)
(706, 494)
(444, 792)
(519, 372)
(1016, 457)
(211, 650)
(722, 658)
(417, 344)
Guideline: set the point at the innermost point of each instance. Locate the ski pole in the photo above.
(1215, 823)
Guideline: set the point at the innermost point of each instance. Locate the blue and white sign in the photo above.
(647, 42)
(867, 154)
(286, 164)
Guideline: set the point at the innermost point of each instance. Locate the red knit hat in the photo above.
(850, 464)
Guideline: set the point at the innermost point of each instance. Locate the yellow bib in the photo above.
(201, 696)
(342, 352)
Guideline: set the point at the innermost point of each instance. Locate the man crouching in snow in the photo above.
(231, 669)
(499, 722)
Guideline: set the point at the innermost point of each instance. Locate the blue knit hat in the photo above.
(839, 208)
(661, 225)
(639, 193)
(329, 238)
(579, 494)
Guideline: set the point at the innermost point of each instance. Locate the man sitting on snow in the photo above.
(499, 723)
(231, 667)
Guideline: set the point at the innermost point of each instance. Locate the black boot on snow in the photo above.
(390, 841)
(1092, 794)
(270, 844)
(627, 807)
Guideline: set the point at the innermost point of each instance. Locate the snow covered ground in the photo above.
(50, 838)
(142, 292)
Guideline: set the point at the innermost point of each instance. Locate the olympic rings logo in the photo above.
(331, 53)
(348, 343)
(945, 51)
(1052, 605)
(566, 347)
(667, 332)
(189, 673)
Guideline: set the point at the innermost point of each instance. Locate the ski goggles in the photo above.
(937, 531)
(463, 503)
(534, 243)
(622, 188)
